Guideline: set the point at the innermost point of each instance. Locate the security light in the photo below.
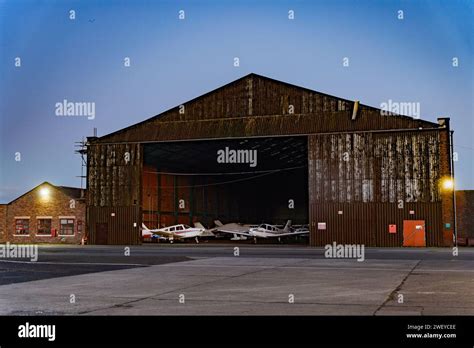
(44, 192)
(448, 184)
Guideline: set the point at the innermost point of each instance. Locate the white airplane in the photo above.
(147, 234)
(180, 231)
(239, 231)
(274, 231)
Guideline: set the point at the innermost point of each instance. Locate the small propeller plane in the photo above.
(274, 231)
(239, 231)
(180, 231)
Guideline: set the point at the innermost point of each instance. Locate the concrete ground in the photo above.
(262, 280)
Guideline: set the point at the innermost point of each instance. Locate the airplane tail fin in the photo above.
(145, 231)
(205, 232)
(287, 226)
(199, 225)
(218, 223)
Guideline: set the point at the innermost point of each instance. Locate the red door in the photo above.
(414, 233)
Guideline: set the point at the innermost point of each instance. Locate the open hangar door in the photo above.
(200, 181)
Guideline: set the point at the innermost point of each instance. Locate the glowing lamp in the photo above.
(447, 184)
(44, 192)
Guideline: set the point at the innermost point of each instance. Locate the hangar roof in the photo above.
(256, 105)
(194, 157)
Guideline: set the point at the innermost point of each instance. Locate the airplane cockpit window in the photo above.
(179, 228)
(172, 229)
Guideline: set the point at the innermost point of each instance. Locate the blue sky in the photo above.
(175, 60)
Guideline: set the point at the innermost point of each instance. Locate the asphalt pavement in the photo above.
(189, 279)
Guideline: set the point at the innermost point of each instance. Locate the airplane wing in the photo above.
(164, 234)
(294, 233)
(234, 228)
(172, 235)
(155, 232)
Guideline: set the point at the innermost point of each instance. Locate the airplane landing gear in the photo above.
(197, 240)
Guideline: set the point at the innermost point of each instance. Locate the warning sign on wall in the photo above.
(392, 228)
(321, 225)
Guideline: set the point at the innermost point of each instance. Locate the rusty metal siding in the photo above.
(276, 125)
(359, 184)
(465, 213)
(112, 178)
(123, 227)
(375, 167)
(114, 186)
(368, 223)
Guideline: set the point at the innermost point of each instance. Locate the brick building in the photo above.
(45, 214)
(465, 216)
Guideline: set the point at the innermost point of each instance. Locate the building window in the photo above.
(66, 227)
(44, 227)
(22, 227)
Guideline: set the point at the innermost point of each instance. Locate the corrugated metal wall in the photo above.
(114, 186)
(368, 223)
(251, 126)
(359, 184)
(122, 224)
(465, 213)
(114, 174)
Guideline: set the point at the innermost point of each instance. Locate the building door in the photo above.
(101, 233)
(414, 233)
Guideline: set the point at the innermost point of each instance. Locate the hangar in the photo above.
(352, 174)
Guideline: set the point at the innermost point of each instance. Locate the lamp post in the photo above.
(455, 232)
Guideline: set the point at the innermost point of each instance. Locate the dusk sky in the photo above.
(173, 60)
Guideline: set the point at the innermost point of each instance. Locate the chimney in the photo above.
(443, 122)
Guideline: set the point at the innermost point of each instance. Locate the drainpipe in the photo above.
(455, 231)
